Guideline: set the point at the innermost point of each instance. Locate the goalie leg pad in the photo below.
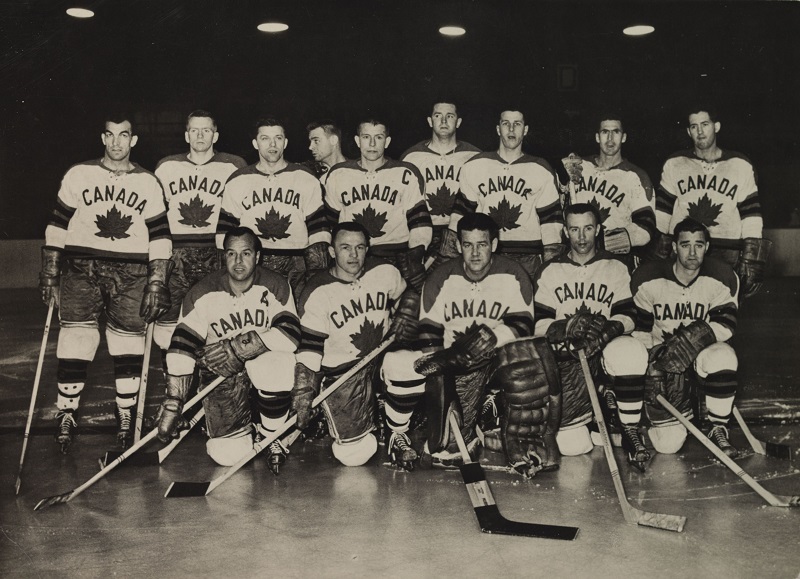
(228, 405)
(470, 388)
(356, 452)
(227, 450)
(351, 409)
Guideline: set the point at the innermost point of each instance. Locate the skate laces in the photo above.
(67, 421)
(277, 448)
(124, 418)
(719, 434)
(632, 432)
(400, 441)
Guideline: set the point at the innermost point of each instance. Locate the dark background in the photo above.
(160, 59)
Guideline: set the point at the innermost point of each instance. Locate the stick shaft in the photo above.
(167, 450)
(148, 345)
(757, 446)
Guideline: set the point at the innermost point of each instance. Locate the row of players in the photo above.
(113, 231)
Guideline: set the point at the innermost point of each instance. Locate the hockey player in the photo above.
(470, 307)
(325, 144)
(686, 314)
(344, 315)
(518, 192)
(719, 189)
(107, 250)
(583, 301)
(385, 196)
(439, 160)
(282, 203)
(194, 183)
(239, 323)
(621, 192)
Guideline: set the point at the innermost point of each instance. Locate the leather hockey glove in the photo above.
(50, 276)
(660, 247)
(466, 352)
(572, 164)
(227, 357)
(405, 325)
(681, 349)
(315, 258)
(156, 299)
(412, 267)
(572, 328)
(601, 331)
(306, 388)
(448, 248)
(552, 251)
(617, 241)
(751, 265)
(168, 419)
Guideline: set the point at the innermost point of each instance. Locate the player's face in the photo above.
(512, 129)
(702, 130)
(349, 251)
(372, 141)
(444, 120)
(241, 258)
(581, 229)
(610, 137)
(201, 134)
(270, 142)
(118, 139)
(476, 252)
(320, 145)
(690, 247)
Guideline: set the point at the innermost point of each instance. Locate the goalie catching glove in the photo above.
(227, 357)
(751, 265)
(682, 348)
(467, 351)
(156, 299)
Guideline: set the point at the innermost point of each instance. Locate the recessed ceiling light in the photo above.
(452, 31)
(638, 30)
(273, 27)
(80, 12)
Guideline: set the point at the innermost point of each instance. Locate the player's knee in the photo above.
(121, 343)
(667, 438)
(77, 342)
(357, 452)
(397, 370)
(625, 356)
(271, 371)
(162, 334)
(574, 440)
(227, 450)
(717, 357)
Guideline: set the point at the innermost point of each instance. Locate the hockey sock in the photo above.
(629, 391)
(71, 380)
(720, 390)
(127, 373)
(273, 409)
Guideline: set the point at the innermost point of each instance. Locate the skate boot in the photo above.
(719, 436)
(276, 456)
(66, 428)
(125, 427)
(490, 415)
(450, 458)
(401, 453)
(632, 443)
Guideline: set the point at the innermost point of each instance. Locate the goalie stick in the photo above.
(773, 449)
(180, 489)
(773, 499)
(69, 495)
(632, 514)
(490, 520)
(36, 381)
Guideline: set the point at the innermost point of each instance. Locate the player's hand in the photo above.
(220, 359)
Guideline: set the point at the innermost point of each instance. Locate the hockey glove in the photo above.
(601, 331)
(248, 345)
(412, 268)
(572, 328)
(468, 351)
(315, 258)
(574, 167)
(448, 249)
(681, 349)
(156, 300)
(553, 250)
(220, 358)
(405, 325)
(752, 263)
(306, 388)
(169, 419)
(617, 241)
(50, 276)
(660, 247)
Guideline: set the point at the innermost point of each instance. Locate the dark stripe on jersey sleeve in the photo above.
(543, 312)
(550, 214)
(724, 315)
(331, 214)
(431, 336)
(289, 325)
(317, 222)
(311, 341)
(750, 207)
(644, 320)
(226, 222)
(418, 216)
(520, 323)
(61, 215)
(626, 308)
(463, 206)
(158, 227)
(665, 201)
(646, 219)
(184, 341)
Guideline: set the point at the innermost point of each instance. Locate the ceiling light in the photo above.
(452, 31)
(273, 27)
(80, 12)
(638, 30)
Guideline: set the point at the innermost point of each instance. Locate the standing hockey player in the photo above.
(344, 315)
(718, 188)
(439, 160)
(325, 144)
(193, 185)
(385, 196)
(282, 203)
(239, 323)
(583, 301)
(107, 250)
(686, 314)
(620, 191)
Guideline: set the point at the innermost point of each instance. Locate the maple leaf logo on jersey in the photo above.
(113, 224)
(506, 215)
(273, 226)
(603, 211)
(367, 338)
(441, 202)
(372, 221)
(582, 309)
(468, 330)
(705, 211)
(195, 213)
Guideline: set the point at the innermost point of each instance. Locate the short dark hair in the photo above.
(242, 232)
(119, 117)
(580, 209)
(201, 114)
(372, 121)
(352, 226)
(690, 225)
(702, 107)
(328, 127)
(610, 116)
(268, 122)
(513, 109)
(444, 101)
(478, 222)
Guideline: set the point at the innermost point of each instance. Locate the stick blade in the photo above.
(491, 521)
(661, 521)
(17, 485)
(783, 451)
(178, 490)
(54, 500)
(139, 459)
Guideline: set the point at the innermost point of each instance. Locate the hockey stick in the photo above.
(34, 393)
(632, 514)
(772, 449)
(69, 495)
(490, 520)
(180, 489)
(148, 345)
(773, 499)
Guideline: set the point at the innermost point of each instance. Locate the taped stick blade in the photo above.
(661, 521)
(54, 500)
(187, 489)
(139, 459)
